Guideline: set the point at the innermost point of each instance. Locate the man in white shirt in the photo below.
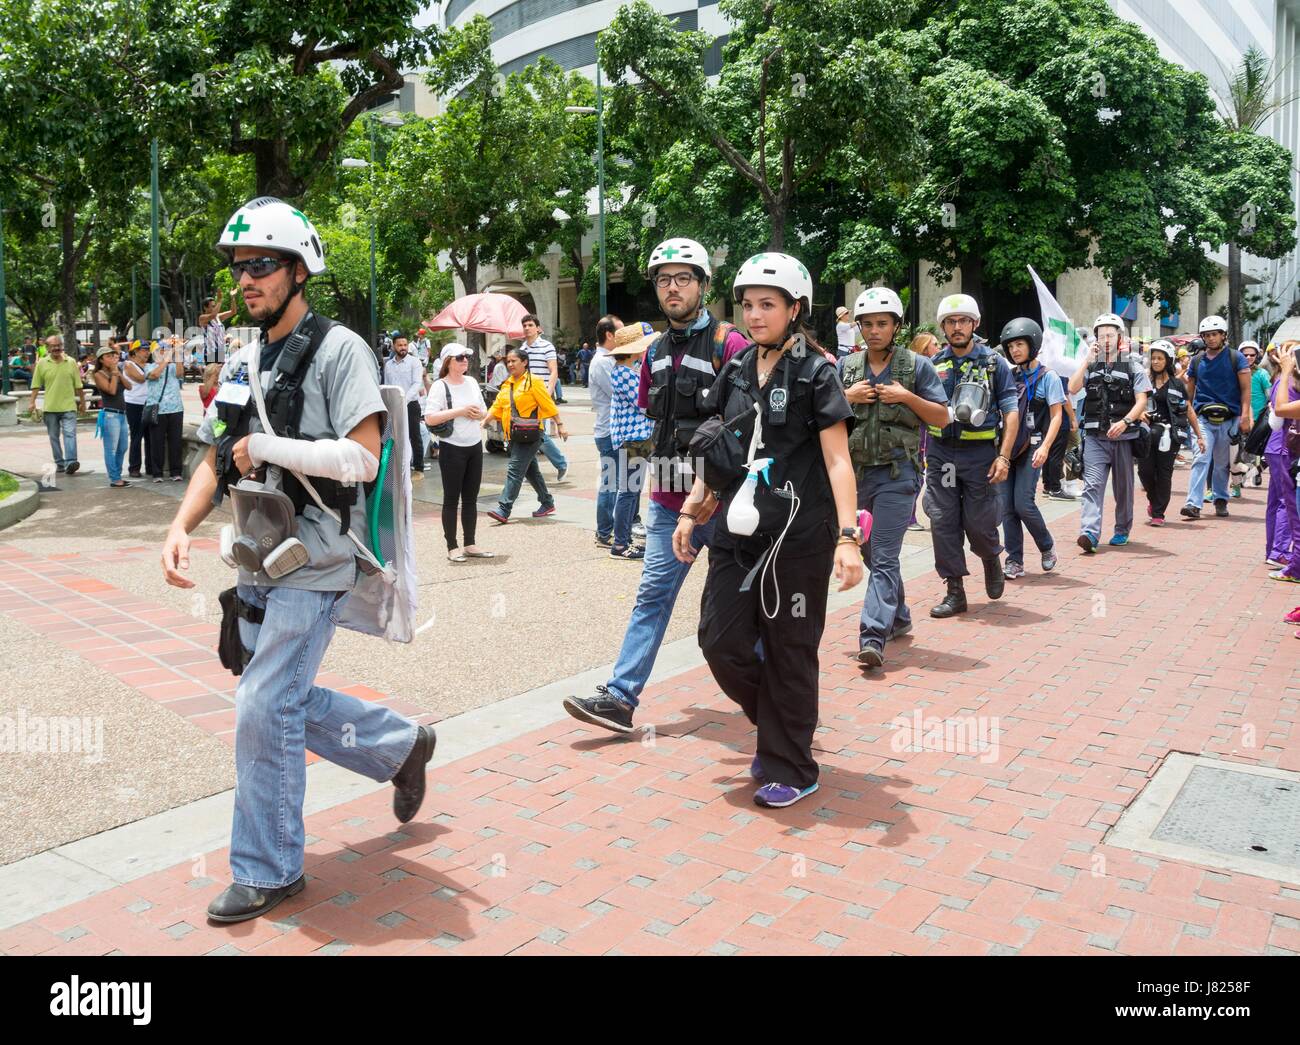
(598, 373)
(846, 333)
(404, 370)
(544, 365)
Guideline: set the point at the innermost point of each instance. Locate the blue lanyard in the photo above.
(1030, 389)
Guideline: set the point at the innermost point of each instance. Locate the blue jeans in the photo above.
(523, 465)
(891, 503)
(559, 390)
(662, 575)
(278, 714)
(632, 471)
(1019, 507)
(1217, 456)
(553, 453)
(607, 490)
(62, 422)
(117, 434)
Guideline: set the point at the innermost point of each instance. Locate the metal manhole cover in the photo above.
(1237, 814)
(1240, 817)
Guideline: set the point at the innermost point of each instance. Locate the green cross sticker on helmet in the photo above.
(679, 251)
(279, 227)
(958, 305)
(878, 300)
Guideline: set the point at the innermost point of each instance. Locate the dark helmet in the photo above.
(1023, 328)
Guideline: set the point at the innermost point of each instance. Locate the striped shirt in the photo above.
(541, 353)
(627, 421)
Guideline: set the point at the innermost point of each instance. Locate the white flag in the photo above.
(1063, 350)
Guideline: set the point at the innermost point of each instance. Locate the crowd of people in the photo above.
(798, 467)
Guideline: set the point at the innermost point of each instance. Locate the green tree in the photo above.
(1253, 174)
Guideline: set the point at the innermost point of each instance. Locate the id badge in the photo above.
(234, 393)
(1029, 420)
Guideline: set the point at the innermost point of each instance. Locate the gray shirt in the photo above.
(602, 365)
(340, 390)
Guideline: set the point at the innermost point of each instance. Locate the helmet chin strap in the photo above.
(270, 321)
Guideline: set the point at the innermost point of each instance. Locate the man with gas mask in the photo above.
(966, 459)
(1115, 390)
(893, 393)
(678, 370)
(1218, 384)
(301, 411)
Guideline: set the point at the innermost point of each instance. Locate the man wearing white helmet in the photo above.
(1218, 384)
(776, 545)
(1115, 391)
(678, 370)
(322, 399)
(893, 393)
(965, 458)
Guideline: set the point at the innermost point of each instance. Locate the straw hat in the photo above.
(632, 339)
(841, 312)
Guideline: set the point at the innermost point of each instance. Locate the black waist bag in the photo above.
(230, 646)
(719, 455)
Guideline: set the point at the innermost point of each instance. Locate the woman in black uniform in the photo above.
(1169, 414)
(785, 528)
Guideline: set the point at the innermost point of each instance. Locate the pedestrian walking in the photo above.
(404, 370)
(111, 426)
(456, 400)
(523, 398)
(164, 412)
(1218, 384)
(630, 433)
(1170, 415)
(544, 366)
(59, 377)
(600, 369)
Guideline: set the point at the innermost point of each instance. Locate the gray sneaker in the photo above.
(1012, 570)
(1049, 561)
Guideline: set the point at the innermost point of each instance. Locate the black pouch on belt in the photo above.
(230, 647)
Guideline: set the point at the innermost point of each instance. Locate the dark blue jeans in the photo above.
(607, 490)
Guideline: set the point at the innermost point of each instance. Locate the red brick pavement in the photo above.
(565, 841)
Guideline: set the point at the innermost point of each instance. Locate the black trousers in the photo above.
(462, 474)
(1054, 466)
(135, 422)
(1156, 472)
(779, 692)
(165, 442)
(414, 422)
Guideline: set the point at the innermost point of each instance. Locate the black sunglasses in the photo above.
(256, 267)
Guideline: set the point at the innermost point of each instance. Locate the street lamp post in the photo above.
(155, 309)
(4, 313)
(587, 110)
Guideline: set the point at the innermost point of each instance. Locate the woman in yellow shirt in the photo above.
(530, 400)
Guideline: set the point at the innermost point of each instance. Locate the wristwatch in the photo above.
(853, 533)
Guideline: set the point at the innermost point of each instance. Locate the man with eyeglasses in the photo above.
(966, 459)
(65, 397)
(322, 399)
(678, 370)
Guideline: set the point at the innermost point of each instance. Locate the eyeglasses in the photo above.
(256, 267)
(679, 279)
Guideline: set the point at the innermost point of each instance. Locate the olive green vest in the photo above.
(881, 428)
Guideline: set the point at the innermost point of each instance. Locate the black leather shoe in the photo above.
(995, 580)
(242, 902)
(409, 780)
(1221, 508)
(954, 602)
(604, 710)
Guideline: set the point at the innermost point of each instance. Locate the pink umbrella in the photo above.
(488, 313)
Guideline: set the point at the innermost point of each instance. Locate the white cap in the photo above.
(775, 270)
(271, 223)
(878, 299)
(958, 305)
(453, 349)
(679, 251)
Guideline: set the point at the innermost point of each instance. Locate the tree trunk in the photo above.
(68, 285)
(1234, 294)
(474, 339)
(777, 213)
(972, 279)
(94, 313)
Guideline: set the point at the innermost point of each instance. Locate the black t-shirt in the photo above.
(1160, 402)
(814, 401)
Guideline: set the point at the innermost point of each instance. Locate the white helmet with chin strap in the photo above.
(958, 305)
(679, 251)
(775, 270)
(1213, 323)
(878, 299)
(275, 225)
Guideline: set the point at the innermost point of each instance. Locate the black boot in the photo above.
(409, 780)
(954, 602)
(994, 579)
(239, 903)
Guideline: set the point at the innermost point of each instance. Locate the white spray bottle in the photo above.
(742, 513)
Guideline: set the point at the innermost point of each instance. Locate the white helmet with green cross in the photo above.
(272, 223)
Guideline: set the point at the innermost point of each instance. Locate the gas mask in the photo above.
(970, 403)
(263, 538)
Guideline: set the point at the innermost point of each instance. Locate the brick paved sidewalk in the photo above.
(567, 841)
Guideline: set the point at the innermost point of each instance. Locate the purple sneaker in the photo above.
(778, 796)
